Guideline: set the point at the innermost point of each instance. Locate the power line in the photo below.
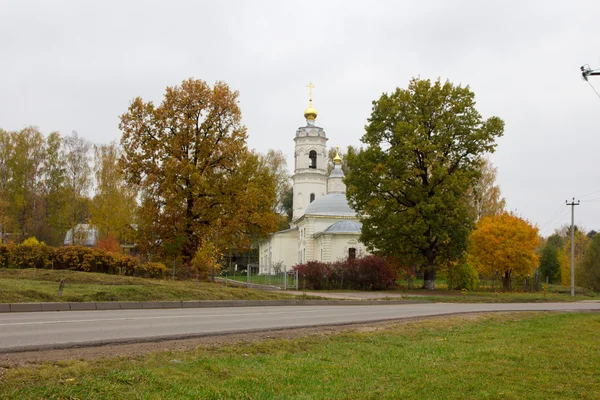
(564, 213)
(593, 88)
(589, 194)
(553, 216)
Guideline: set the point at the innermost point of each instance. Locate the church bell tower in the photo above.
(310, 161)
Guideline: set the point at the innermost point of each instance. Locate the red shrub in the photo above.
(110, 244)
(314, 274)
(366, 273)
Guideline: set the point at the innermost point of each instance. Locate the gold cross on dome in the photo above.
(310, 88)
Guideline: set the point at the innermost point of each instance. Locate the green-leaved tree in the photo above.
(423, 151)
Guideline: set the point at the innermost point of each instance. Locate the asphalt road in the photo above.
(43, 330)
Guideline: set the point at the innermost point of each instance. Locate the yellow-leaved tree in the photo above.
(196, 178)
(206, 261)
(504, 244)
(581, 244)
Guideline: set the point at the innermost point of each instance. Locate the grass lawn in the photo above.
(507, 356)
(499, 297)
(31, 285)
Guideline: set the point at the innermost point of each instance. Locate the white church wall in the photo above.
(309, 179)
(305, 185)
(281, 248)
(341, 243)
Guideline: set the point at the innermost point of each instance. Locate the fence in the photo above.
(274, 278)
(526, 284)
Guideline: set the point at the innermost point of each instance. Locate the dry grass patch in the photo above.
(31, 285)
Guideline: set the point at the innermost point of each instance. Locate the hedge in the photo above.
(366, 273)
(77, 258)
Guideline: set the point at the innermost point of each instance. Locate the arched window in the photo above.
(312, 155)
(312, 197)
(351, 253)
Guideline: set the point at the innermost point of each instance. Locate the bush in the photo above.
(109, 244)
(365, 273)
(5, 256)
(462, 276)
(152, 270)
(32, 241)
(375, 273)
(77, 258)
(314, 275)
(205, 261)
(85, 259)
(31, 255)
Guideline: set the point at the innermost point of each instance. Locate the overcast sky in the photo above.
(75, 66)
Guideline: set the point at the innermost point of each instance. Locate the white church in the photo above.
(323, 227)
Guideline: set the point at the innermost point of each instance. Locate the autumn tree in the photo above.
(334, 151)
(581, 245)
(6, 220)
(25, 163)
(114, 203)
(44, 184)
(423, 151)
(197, 180)
(275, 161)
(76, 158)
(504, 244)
(55, 194)
(484, 197)
(589, 265)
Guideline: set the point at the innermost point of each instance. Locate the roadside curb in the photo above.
(136, 305)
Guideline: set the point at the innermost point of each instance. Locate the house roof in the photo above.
(344, 227)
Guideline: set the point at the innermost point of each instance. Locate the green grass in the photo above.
(498, 356)
(498, 297)
(31, 285)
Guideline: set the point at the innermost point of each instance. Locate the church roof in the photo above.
(333, 204)
(344, 227)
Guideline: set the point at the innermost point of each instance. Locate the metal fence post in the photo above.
(284, 278)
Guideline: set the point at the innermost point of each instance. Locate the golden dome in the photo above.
(337, 159)
(310, 113)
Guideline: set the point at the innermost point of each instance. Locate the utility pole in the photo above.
(587, 71)
(572, 204)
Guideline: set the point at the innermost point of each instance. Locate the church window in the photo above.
(312, 197)
(312, 155)
(351, 253)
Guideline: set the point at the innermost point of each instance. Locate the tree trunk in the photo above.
(429, 279)
(429, 270)
(506, 281)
